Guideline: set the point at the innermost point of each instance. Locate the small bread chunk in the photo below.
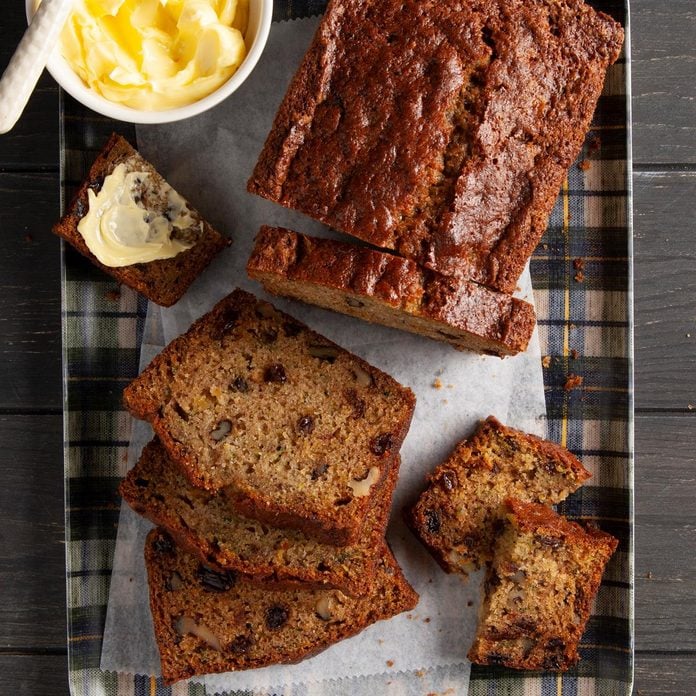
(539, 589)
(203, 524)
(440, 130)
(207, 621)
(386, 289)
(458, 516)
(162, 281)
(291, 428)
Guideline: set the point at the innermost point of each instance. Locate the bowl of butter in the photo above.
(157, 61)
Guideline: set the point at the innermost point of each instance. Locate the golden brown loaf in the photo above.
(390, 290)
(163, 281)
(460, 513)
(442, 130)
(539, 589)
(204, 525)
(291, 428)
(208, 621)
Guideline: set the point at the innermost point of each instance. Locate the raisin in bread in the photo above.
(539, 589)
(442, 130)
(390, 290)
(458, 516)
(291, 428)
(163, 281)
(208, 621)
(203, 524)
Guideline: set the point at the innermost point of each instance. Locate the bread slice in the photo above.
(539, 589)
(206, 621)
(203, 524)
(294, 430)
(440, 130)
(162, 281)
(389, 290)
(460, 513)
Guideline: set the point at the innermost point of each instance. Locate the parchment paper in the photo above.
(208, 159)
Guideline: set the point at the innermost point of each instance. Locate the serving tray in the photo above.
(582, 277)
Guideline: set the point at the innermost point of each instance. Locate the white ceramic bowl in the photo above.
(260, 16)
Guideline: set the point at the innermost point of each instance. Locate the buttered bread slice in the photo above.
(291, 428)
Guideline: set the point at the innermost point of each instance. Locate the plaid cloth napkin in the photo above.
(582, 275)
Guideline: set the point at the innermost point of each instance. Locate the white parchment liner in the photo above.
(209, 159)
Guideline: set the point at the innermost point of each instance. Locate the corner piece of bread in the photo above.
(162, 281)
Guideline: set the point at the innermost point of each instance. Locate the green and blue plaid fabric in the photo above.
(582, 275)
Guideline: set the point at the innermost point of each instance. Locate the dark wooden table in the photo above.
(32, 572)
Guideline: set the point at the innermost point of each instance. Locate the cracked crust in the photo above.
(440, 131)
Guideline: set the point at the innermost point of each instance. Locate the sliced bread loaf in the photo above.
(539, 589)
(208, 621)
(203, 524)
(458, 516)
(163, 281)
(386, 289)
(294, 430)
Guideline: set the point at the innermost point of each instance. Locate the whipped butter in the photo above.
(120, 231)
(155, 54)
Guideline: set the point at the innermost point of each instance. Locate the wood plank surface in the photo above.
(32, 599)
(33, 675)
(30, 331)
(664, 88)
(32, 534)
(665, 524)
(665, 290)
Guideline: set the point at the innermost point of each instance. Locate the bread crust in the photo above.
(163, 281)
(442, 133)
(345, 277)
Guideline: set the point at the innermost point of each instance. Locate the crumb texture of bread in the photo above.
(442, 131)
(202, 523)
(390, 290)
(207, 621)
(162, 281)
(461, 511)
(539, 589)
(292, 429)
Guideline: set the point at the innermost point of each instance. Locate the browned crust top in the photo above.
(395, 281)
(391, 93)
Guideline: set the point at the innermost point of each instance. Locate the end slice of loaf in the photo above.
(293, 429)
(386, 289)
(163, 281)
(458, 516)
(545, 573)
(203, 524)
(207, 621)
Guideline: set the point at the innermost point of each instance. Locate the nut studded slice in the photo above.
(202, 523)
(389, 290)
(294, 430)
(207, 621)
(458, 516)
(539, 589)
